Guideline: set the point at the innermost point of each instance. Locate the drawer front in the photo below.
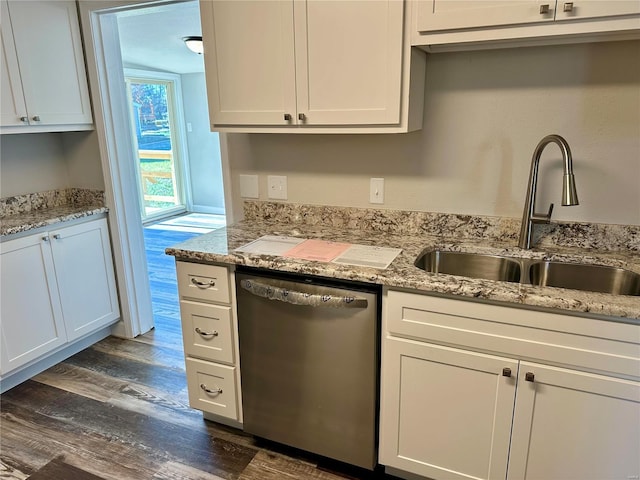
(212, 388)
(524, 334)
(207, 331)
(203, 282)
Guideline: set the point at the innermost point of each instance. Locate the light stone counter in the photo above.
(415, 232)
(31, 211)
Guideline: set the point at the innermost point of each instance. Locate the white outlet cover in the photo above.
(277, 187)
(376, 190)
(249, 186)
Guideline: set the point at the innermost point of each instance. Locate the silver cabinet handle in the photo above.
(24, 119)
(36, 118)
(568, 7)
(206, 334)
(217, 391)
(45, 239)
(544, 9)
(506, 372)
(529, 377)
(302, 116)
(287, 117)
(201, 284)
(57, 236)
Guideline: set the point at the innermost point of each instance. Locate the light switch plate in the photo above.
(249, 186)
(376, 190)
(277, 187)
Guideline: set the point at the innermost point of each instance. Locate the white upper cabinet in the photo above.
(440, 25)
(310, 66)
(348, 62)
(43, 73)
(249, 61)
(437, 15)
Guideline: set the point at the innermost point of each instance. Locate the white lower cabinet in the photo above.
(210, 336)
(455, 413)
(31, 314)
(212, 387)
(452, 408)
(574, 425)
(57, 286)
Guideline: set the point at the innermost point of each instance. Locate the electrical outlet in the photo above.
(249, 186)
(376, 190)
(277, 187)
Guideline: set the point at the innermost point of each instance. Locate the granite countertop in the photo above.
(29, 212)
(218, 247)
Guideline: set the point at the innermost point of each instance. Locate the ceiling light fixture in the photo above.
(194, 44)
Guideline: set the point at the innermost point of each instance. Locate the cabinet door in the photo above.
(13, 110)
(49, 50)
(440, 15)
(580, 10)
(249, 61)
(84, 271)
(30, 318)
(349, 61)
(445, 413)
(574, 425)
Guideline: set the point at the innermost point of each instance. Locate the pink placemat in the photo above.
(318, 250)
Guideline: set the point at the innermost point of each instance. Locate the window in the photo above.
(158, 141)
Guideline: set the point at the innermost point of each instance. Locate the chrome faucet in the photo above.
(569, 194)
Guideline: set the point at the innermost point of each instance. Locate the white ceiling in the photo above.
(152, 38)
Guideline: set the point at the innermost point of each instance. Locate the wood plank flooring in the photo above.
(119, 410)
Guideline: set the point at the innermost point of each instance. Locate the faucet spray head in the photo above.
(569, 193)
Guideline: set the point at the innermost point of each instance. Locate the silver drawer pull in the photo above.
(206, 334)
(201, 284)
(217, 391)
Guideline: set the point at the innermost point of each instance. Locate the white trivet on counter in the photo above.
(357, 255)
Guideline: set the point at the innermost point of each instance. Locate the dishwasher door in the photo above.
(309, 366)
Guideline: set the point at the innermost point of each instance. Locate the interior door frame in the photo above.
(111, 118)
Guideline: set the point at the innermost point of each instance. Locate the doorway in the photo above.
(148, 36)
(159, 128)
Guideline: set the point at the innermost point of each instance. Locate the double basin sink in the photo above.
(577, 276)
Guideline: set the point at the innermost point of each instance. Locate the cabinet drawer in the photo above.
(207, 331)
(203, 282)
(212, 388)
(561, 339)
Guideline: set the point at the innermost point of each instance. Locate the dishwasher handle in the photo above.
(272, 292)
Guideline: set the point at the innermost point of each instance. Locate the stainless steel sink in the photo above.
(592, 278)
(474, 265)
(576, 276)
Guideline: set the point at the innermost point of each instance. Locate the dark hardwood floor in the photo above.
(119, 410)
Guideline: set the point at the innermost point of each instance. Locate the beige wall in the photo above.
(484, 114)
(32, 163)
(82, 155)
(35, 162)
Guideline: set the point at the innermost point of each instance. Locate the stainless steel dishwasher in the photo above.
(309, 364)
